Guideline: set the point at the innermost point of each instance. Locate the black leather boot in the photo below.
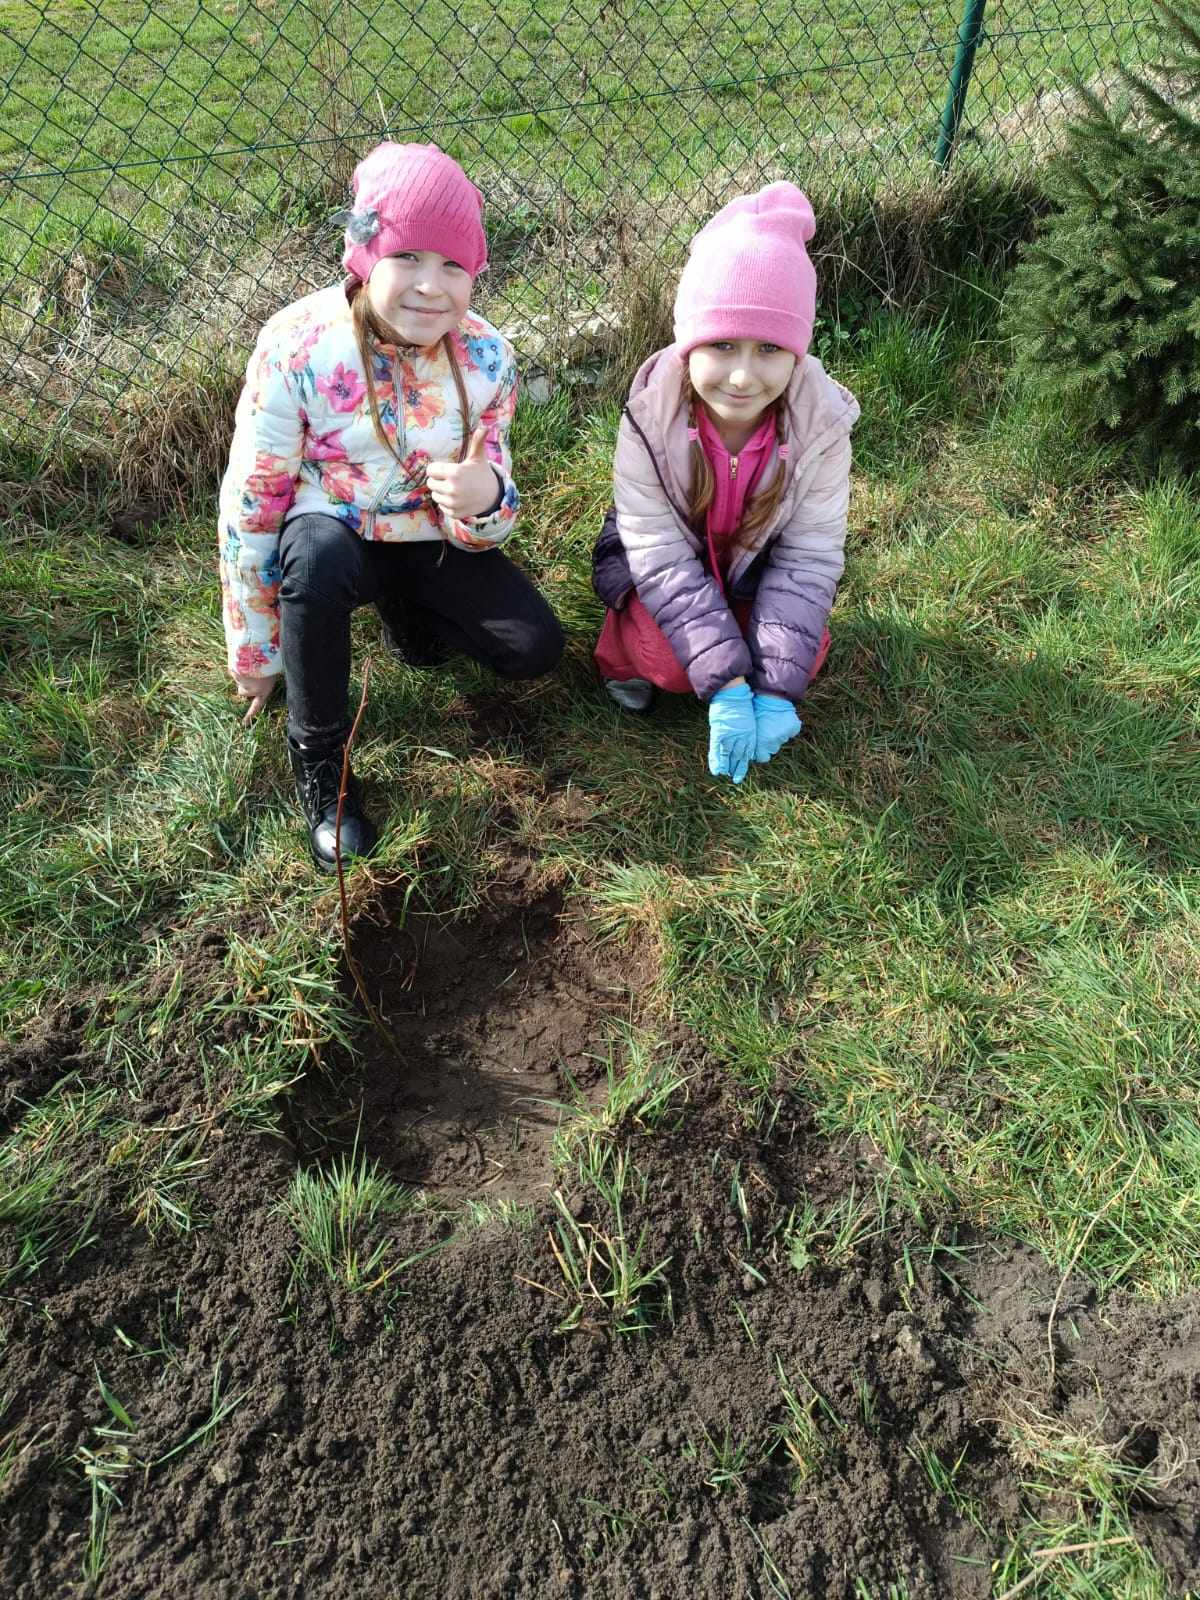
(318, 779)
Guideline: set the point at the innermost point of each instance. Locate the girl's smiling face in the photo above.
(737, 379)
(419, 293)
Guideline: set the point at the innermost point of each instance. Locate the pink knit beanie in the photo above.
(412, 197)
(748, 275)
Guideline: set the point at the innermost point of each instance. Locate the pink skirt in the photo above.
(632, 645)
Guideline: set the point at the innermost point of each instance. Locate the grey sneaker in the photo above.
(631, 694)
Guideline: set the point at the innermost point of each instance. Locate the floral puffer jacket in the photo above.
(304, 442)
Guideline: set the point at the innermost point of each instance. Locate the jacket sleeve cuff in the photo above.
(790, 693)
(493, 527)
(253, 659)
(706, 677)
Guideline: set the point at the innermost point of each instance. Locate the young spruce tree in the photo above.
(1104, 307)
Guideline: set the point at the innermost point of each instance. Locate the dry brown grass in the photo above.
(898, 248)
(142, 376)
(1042, 122)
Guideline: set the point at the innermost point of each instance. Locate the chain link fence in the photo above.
(167, 173)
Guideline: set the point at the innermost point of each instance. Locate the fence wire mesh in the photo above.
(169, 171)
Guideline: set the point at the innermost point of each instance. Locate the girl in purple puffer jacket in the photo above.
(720, 558)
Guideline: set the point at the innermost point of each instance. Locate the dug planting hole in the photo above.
(494, 1024)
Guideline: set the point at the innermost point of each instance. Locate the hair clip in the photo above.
(693, 435)
(361, 226)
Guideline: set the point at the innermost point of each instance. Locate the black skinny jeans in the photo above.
(474, 602)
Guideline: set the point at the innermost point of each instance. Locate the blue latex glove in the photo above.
(776, 722)
(731, 732)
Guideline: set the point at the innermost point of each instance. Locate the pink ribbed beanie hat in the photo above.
(412, 197)
(748, 275)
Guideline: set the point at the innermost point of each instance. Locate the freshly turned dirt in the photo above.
(37, 1062)
(496, 1028)
(447, 1440)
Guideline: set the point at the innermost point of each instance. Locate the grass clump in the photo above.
(515, 1214)
(112, 1460)
(834, 1236)
(607, 1275)
(944, 1480)
(48, 1182)
(645, 1089)
(160, 1172)
(809, 1430)
(1078, 1540)
(332, 1213)
(103, 1468)
(726, 1462)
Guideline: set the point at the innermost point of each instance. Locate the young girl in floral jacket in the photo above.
(720, 559)
(370, 465)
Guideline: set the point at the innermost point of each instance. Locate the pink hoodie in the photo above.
(735, 481)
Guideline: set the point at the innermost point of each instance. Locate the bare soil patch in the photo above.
(497, 1023)
(450, 1440)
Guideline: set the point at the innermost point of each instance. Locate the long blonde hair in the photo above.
(369, 327)
(763, 507)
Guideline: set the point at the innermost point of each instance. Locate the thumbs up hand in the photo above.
(468, 488)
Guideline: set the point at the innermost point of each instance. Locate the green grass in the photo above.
(645, 1088)
(159, 96)
(113, 1460)
(809, 1429)
(47, 1204)
(726, 1461)
(606, 1276)
(944, 1479)
(833, 1236)
(332, 1214)
(1086, 1490)
(960, 918)
(963, 911)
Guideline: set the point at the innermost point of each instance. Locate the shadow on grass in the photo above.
(984, 760)
(997, 756)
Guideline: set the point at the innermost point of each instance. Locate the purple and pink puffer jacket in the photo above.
(791, 571)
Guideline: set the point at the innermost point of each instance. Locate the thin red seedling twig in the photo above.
(369, 1005)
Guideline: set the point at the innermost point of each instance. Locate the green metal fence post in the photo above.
(969, 30)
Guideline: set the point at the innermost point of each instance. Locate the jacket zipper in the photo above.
(733, 461)
(400, 441)
(813, 446)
